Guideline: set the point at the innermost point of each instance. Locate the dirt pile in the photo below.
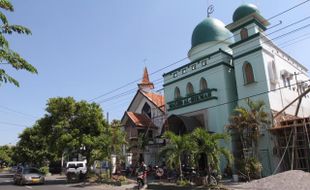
(293, 179)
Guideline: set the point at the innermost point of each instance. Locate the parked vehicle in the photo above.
(76, 171)
(28, 175)
(141, 175)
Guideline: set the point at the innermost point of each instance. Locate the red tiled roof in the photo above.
(157, 99)
(140, 120)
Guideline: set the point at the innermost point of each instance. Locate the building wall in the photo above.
(283, 93)
(215, 112)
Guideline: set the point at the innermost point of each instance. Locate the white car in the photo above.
(76, 167)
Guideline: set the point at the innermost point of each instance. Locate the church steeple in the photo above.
(145, 84)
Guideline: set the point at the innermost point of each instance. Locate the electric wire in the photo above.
(183, 59)
(125, 85)
(243, 51)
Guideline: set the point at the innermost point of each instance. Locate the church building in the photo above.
(143, 123)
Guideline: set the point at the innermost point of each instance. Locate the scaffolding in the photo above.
(292, 144)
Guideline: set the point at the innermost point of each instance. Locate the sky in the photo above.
(96, 50)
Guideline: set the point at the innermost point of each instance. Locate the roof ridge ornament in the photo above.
(210, 10)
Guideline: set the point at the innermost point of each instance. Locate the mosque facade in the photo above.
(229, 64)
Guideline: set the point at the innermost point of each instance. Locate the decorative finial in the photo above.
(210, 10)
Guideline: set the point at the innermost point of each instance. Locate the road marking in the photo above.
(28, 187)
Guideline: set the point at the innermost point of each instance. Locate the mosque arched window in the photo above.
(203, 85)
(244, 33)
(177, 93)
(248, 74)
(189, 89)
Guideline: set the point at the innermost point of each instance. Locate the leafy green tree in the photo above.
(140, 145)
(32, 148)
(75, 127)
(110, 142)
(5, 155)
(69, 127)
(7, 55)
(247, 122)
(176, 147)
(208, 146)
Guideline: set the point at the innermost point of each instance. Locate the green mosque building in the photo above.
(229, 64)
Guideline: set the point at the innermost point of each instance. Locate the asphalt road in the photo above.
(56, 183)
(59, 182)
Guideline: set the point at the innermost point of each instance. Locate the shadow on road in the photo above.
(172, 187)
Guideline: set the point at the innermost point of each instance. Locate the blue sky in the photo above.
(85, 49)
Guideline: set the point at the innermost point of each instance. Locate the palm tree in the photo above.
(248, 121)
(176, 147)
(207, 145)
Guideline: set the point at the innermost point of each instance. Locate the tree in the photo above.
(7, 55)
(247, 122)
(71, 127)
(32, 148)
(75, 127)
(207, 146)
(176, 147)
(5, 155)
(140, 145)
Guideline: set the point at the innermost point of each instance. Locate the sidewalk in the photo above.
(5, 173)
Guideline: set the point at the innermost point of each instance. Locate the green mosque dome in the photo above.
(211, 29)
(243, 11)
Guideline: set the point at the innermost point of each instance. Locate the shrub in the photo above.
(251, 167)
(183, 182)
(44, 170)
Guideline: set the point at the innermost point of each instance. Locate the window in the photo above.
(272, 70)
(204, 62)
(175, 75)
(189, 89)
(284, 80)
(177, 93)
(146, 110)
(150, 134)
(183, 71)
(244, 33)
(288, 83)
(203, 85)
(248, 73)
(193, 67)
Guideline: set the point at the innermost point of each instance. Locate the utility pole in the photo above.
(108, 118)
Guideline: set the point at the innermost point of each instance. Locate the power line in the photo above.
(243, 51)
(123, 86)
(121, 94)
(285, 11)
(13, 124)
(17, 112)
(270, 40)
(251, 96)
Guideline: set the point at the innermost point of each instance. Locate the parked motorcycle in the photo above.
(140, 179)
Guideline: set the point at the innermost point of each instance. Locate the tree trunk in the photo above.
(209, 173)
(180, 168)
(208, 169)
